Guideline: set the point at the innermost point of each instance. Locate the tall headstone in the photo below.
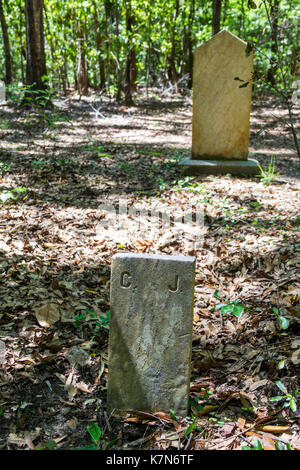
(222, 87)
(150, 338)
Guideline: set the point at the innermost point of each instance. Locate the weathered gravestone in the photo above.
(2, 92)
(222, 89)
(150, 338)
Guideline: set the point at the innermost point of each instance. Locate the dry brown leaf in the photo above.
(274, 429)
(206, 409)
(83, 387)
(241, 423)
(47, 315)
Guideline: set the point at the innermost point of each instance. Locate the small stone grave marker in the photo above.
(222, 87)
(150, 338)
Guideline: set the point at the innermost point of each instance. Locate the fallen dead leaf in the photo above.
(273, 429)
(47, 315)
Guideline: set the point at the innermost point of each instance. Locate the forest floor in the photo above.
(56, 169)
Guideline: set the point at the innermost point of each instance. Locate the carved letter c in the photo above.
(125, 279)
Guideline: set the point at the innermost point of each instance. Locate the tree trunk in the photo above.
(22, 48)
(119, 74)
(129, 57)
(35, 49)
(7, 54)
(216, 17)
(190, 44)
(82, 66)
(172, 58)
(133, 70)
(274, 34)
(51, 45)
(99, 47)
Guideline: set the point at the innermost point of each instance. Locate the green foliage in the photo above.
(79, 319)
(95, 432)
(5, 167)
(256, 446)
(102, 321)
(283, 322)
(282, 446)
(21, 94)
(97, 436)
(235, 307)
(173, 416)
(10, 194)
(288, 399)
(268, 175)
(160, 31)
(124, 166)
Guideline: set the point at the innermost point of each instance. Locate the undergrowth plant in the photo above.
(288, 399)
(283, 322)
(267, 175)
(229, 306)
(98, 440)
(102, 321)
(11, 194)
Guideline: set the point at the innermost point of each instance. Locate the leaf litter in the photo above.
(55, 253)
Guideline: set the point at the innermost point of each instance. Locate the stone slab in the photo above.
(220, 167)
(150, 338)
(221, 109)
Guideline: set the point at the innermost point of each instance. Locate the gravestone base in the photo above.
(220, 167)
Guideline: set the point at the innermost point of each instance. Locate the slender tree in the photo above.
(99, 45)
(82, 65)
(130, 75)
(273, 5)
(6, 43)
(189, 40)
(35, 49)
(216, 17)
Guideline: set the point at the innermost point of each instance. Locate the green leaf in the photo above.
(293, 404)
(51, 444)
(280, 445)
(227, 308)
(276, 399)
(88, 447)
(281, 365)
(216, 294)
(238, 310)
(94, 431)
(281, 386)
(217, 307)
(190, 429)
(111, 443)
(103, 154)
(258, 445)
(283, 322)
(173, 416)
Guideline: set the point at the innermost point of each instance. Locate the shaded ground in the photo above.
(56, 246)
